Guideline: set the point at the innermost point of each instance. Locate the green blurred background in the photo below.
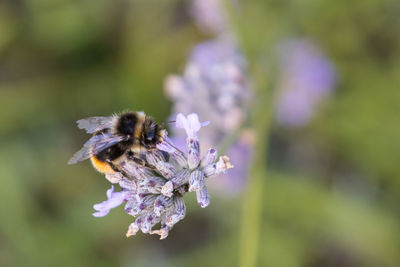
(335, 204)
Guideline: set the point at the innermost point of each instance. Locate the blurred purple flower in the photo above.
(215, 86)
(240, 154)
(208, 15)
(307, 77)
(114, 199)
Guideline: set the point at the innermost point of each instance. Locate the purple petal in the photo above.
(181, 122)
(100, 213)
(191, 124)
(110, 191)
(194, 122)
(205, 123)
(114, 199)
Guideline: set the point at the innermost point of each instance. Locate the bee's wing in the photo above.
(105, 141)
(81, 155)
(94, 124)
(95, 145)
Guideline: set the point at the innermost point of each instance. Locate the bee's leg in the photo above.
(137, 160)
(112, 165)
(165, 154)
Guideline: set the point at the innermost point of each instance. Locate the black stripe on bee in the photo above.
(127, 123)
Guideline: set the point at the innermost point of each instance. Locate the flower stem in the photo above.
(252, 202)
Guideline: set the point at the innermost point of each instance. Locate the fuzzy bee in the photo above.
(116, 138)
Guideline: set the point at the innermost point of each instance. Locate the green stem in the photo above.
(260, 122)
(253, 200)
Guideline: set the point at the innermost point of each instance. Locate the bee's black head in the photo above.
(127, 123)
(152, 133)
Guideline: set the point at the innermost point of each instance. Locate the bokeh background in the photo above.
(331, 191)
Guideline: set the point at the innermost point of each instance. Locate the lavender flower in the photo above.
(208, 15)
(114, 199)
(155, 195)
(215, 86)
(307, 77)
(240, 154)
(214, 83)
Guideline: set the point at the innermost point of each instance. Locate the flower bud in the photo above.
(167, 189)
(167, 170)
(203, 197)
(128, 184)
(161, 204)
(178, 212)
(210, 157)
(153, 184)
(136, 171)
(196, 180)
(114, 177)
(193, 148)
(180, 178)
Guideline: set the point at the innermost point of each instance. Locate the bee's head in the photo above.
(152, 133)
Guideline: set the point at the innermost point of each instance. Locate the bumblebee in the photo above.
(116, 138)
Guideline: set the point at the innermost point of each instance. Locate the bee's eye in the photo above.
(150, 136)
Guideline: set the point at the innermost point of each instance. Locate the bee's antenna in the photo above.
(168, 141)
(165, 122)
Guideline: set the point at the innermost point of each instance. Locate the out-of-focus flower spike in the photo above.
(215, 86)
(306, 78)
(175, 86)
(196, 180)
(203, 197)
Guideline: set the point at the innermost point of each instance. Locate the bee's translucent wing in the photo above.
(95, 145)
(105, 141)
(81, 155)
(94, 124)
